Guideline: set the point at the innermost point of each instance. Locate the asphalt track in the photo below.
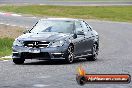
(115, 57)
(66, 3)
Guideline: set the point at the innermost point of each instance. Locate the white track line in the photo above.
(5, 60)
(16, 15)
(32, 17)
(1, 13)
(7, 56)
(2, 60)
(40, 85)
(9, 14)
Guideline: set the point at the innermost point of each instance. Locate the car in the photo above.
(63, 39)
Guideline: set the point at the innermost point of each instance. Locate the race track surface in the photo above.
(115, 56)
(66, 3)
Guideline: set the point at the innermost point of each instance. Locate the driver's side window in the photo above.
(78, 26)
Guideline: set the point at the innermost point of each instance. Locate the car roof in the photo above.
(63, 19)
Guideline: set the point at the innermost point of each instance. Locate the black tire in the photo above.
(69, 55)
(94, 55)
(18, 60)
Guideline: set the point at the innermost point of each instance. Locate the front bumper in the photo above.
(45, 53)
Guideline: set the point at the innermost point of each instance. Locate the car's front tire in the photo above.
(69, 55)
(94, 55)
(18, 60)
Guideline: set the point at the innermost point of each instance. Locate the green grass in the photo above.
(114, 13)
(5, 46)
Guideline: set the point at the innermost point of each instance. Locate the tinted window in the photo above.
(88, 26)
(85, 27)
(53, 26)
(78, 26)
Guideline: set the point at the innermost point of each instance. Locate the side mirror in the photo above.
(74, 36)
(80, 33)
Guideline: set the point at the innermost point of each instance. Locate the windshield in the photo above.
(53, 26)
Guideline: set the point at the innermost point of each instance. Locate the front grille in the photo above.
(27, 55)
(36, 44)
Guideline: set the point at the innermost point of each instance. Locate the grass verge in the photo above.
(113, 13)
(5, 46)
(7, 36)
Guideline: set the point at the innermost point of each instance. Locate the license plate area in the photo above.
(34, 50)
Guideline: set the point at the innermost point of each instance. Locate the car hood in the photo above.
(46, 36)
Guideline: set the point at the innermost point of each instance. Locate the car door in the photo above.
(88, 38)
(79, 41)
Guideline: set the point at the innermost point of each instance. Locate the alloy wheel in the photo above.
(95, 52)
(70, 54)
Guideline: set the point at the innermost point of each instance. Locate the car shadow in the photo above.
(56, 62)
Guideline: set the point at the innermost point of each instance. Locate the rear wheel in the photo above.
(94, 55)
(18, 60)
(69, 56)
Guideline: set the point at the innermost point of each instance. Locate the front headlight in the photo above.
(17, 43)
(56, 44)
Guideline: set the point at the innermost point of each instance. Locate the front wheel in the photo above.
(94, 55)
(69, 56)
(18, 60)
